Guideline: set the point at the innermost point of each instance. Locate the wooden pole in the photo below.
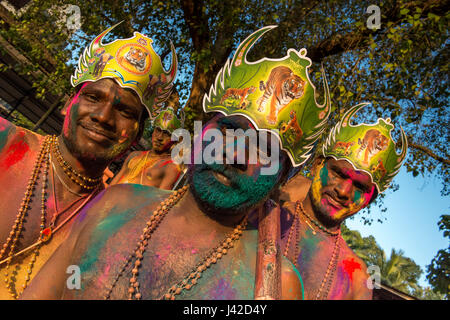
(268, 259)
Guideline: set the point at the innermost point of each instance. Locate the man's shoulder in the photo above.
(356, 270)
(135, 155)
(296, 188)
(348, 256)
(117, 204)
(291, 281)
(131, 195)
(12, 134)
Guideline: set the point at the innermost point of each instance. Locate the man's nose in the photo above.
(104, 114)
(344, 189)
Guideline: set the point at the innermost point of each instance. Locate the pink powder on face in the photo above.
(68, 117)
(368, 196)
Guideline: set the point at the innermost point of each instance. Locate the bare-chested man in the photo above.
(154, 167)
(201, 241)
(46, 181)
(342, 185)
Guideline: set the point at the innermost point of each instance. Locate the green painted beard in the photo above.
(244, 193)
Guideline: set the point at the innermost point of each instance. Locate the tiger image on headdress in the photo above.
(238, 94)
(379, 169)
(291, 130)
(345, 146)
(136, 58)
(373, 142)
(282, 87)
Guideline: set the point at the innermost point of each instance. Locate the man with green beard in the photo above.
(199, 242)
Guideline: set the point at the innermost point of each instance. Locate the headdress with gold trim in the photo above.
(368, 147)
(132, 63)
(274, 94)
(167, 120)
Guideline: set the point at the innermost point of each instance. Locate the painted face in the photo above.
(161, 140)
(339, 191)
(101, 121)
(230, 189)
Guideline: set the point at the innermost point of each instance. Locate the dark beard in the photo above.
(87, 160)
(323, 217)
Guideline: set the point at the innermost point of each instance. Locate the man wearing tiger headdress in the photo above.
(345, 180)
(104, 115)
(154, 167)
(210, 239)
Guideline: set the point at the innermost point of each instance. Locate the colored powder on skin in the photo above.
(316, 185)
(297, 274)
(4, 131)
(116, 100)
(309, 245)
(368, 196)
(243, 192)
(123, 136)
(357, 196)
(222, 291)
(324, 175)
(350, 266)
(69, 116)
(15, 152)
(104, 230)
(70, 120)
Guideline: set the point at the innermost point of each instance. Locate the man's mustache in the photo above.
(334, 196)
(90, 126)
(227, 170)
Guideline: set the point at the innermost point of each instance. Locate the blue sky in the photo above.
(411, 219)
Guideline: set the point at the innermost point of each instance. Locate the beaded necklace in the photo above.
(80, 179)
(332, 265)
(191, 277)
(42, 162)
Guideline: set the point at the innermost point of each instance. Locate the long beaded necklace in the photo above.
(191, 277)
(332, 265)
(42, 161)
(80, 179)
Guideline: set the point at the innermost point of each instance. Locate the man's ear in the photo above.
(67, 104)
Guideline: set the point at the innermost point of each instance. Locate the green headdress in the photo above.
(167, 120)
(132, 63)
(274, 94)
(368, 147)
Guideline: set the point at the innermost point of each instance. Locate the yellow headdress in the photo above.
(132, 63)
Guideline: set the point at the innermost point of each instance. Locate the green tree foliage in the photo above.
(402, 68)
(397, 271)
(438, 271)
